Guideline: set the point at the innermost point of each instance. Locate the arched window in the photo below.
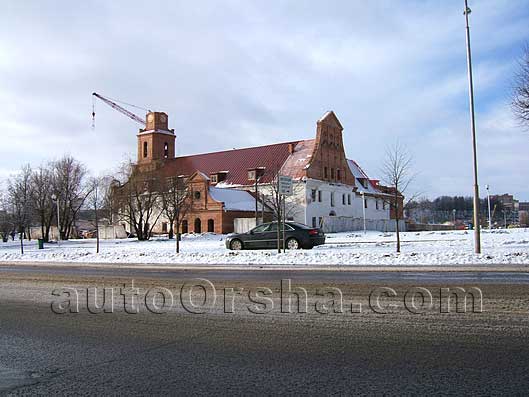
(144, 149)
(211, 226)
(185, 228)
(198, 226)
(165, 150)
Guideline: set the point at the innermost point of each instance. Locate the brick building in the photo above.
(331, 191)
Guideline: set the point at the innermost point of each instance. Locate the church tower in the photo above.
(156, 141)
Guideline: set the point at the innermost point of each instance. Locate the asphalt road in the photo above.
(276, 353)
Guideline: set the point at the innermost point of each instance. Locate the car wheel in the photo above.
(292, 244)
(236, 245)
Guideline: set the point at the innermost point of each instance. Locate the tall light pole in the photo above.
(488, 205)
(477, 237)
(364, 210)
(454, 216)
(259, 172)
(56, 200)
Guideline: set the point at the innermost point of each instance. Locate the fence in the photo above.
(334, 224)
(242, 225)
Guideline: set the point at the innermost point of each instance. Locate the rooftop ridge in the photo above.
(245, 148)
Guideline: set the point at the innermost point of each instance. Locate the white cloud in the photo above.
(245, 73)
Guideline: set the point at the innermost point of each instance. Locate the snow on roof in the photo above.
(233, 199)
(360, 174)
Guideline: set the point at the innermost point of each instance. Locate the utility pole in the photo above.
(258, 172)
(256, 201)
(477, 236)
(96, 193)
(278, 201)
(284, 222)
(364, 210)
(488, 205)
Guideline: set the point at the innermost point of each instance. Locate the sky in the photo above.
(234, 74)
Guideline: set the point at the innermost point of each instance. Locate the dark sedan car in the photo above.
(264, 236)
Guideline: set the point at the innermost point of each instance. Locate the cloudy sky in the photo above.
(243, 73)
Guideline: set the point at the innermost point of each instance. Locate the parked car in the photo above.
(264, 236)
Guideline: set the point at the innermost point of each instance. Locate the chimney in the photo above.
(291, 148)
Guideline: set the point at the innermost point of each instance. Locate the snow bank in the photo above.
(343, 249)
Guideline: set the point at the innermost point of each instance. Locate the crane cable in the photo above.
(93, 113)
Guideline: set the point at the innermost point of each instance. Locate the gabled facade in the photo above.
(212, 209)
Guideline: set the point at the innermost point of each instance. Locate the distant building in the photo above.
(523, 206)
(523, 214)
(510, 205)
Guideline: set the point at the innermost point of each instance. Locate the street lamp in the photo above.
(55, 199)
(477, 237)
(258, 173)
(454, 216)
(488, 204)
(364, 209)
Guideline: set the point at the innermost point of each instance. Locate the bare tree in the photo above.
(277, 203)
(397, 174)
(137, 201)
(520, 101)
(176, 204)
(97, 199)
(19, 193)
(42, 187)
(6, 221)
(71, 189)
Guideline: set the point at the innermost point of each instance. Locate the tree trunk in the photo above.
(171, 231)
(43, 229)
(397, 222)
(97, 230)
(177, 223)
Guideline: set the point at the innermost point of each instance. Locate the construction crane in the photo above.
(112, 103)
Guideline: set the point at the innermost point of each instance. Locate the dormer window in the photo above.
(217, 177)
(251, 175)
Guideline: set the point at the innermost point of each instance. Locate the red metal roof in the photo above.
(237, 162)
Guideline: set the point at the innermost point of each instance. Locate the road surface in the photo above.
(239, 352)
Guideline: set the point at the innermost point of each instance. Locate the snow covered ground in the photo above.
(353, 248)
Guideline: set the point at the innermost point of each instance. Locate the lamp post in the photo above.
(258, 173)
(477, 236)
(364, 210)
(488, 205)
(56, 200)
(454, 217)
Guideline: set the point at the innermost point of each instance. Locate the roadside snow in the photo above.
(344, 249)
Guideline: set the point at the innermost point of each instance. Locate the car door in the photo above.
(289, 232)
(271, 236)
(257, 237)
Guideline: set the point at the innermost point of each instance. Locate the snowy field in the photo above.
(345, 249)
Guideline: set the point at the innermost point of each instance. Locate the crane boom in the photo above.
(120, 109)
